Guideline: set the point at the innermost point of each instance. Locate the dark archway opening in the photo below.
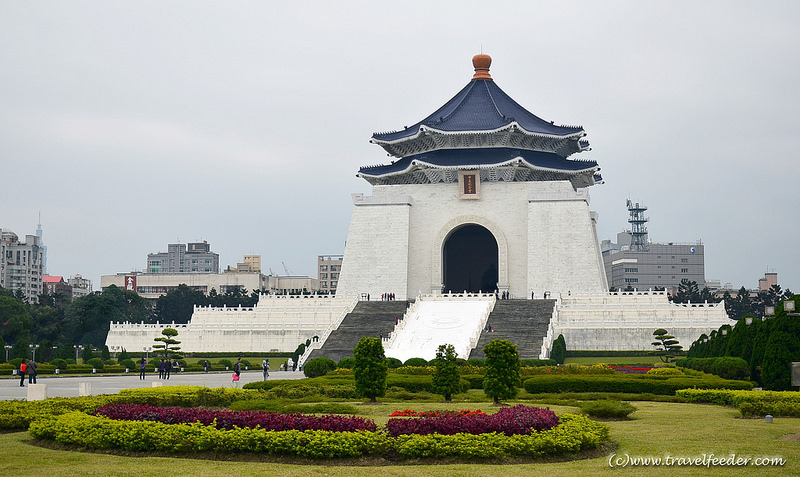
(469, 260)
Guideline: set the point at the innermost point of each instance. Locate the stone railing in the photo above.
(547, 341)
(301, 360)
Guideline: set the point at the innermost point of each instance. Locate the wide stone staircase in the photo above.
(522, 322)
(368, 318)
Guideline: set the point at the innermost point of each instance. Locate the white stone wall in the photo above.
(545, 234)
(626, 321)
(275, 324)
(376, 251)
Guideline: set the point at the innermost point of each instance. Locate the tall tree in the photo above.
(502, 367)
(446, 378)
(370, 369)
(177, 305)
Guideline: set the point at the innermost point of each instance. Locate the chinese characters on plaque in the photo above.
(470, 184)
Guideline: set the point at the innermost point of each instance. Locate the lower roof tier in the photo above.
(496, 164)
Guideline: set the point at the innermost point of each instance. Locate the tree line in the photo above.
(57, 324)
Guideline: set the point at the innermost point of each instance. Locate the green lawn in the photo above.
(680, 430)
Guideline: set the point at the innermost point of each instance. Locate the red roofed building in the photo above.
(56, 284)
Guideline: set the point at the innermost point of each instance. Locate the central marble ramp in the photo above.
(441, 319)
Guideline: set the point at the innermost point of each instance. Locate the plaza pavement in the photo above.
(69, 386)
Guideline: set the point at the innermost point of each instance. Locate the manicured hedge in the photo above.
(749, 403)
(19, 414)
(726, 367)
(573, 434)
(666, 385)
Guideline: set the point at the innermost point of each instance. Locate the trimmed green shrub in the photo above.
(59, 363)
(415, 362)
(630, 383)
(318, 367)
(535, 363)
(559, 351)
(96, 363)
(128, 363)
(607, 409)
(749, 403)
(475, 380)
(348, 362)
(225, 363)
(476, 362)
(393, 363)
(725, 367)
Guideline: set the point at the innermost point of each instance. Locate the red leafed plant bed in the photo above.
(631, 369)
(228, 419)
(410, 413)
(509, 421)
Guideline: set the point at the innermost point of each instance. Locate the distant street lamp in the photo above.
(147, 350)
(77, 349)
(33, 348)
(8, 348)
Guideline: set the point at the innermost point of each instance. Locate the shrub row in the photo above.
(726, 367)
(224, 419)
(573, 434)
(629, 383)
(19, 414)
(509, 421)
(749, 403)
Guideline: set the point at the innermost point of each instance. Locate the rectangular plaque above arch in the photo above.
(469, 183)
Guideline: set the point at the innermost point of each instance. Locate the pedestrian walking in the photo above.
(237, 368)
(265, 369)
(206, 366)
(167, 369)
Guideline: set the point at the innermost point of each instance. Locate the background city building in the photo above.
(633, 261)
(246, 276)
(328, 269)
(195, 258)
(80, 286)
(21, 267)
(56, 284)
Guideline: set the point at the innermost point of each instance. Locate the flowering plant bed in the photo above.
(517, 420)
(222, 419)
(572, 434)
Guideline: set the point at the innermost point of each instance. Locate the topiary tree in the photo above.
(559, 352)
(370, 369)
(348, 362)
(393, 363)
(167, 342)
(666, 344)
(502, 370)
(416, 362)
(446, 378)
(318, 367)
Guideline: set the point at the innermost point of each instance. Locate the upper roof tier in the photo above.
(489, 116)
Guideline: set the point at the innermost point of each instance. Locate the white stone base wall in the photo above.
(625, 321)
(545, 234)
(275, 324)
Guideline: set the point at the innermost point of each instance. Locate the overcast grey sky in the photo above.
(131, 125)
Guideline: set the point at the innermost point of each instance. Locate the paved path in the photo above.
(68, 386)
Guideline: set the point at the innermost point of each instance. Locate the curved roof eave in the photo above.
(423, 129)
(415, 164)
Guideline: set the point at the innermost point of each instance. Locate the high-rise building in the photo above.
(196, 258)
(21, 267)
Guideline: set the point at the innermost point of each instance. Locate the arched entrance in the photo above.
(470, 260)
